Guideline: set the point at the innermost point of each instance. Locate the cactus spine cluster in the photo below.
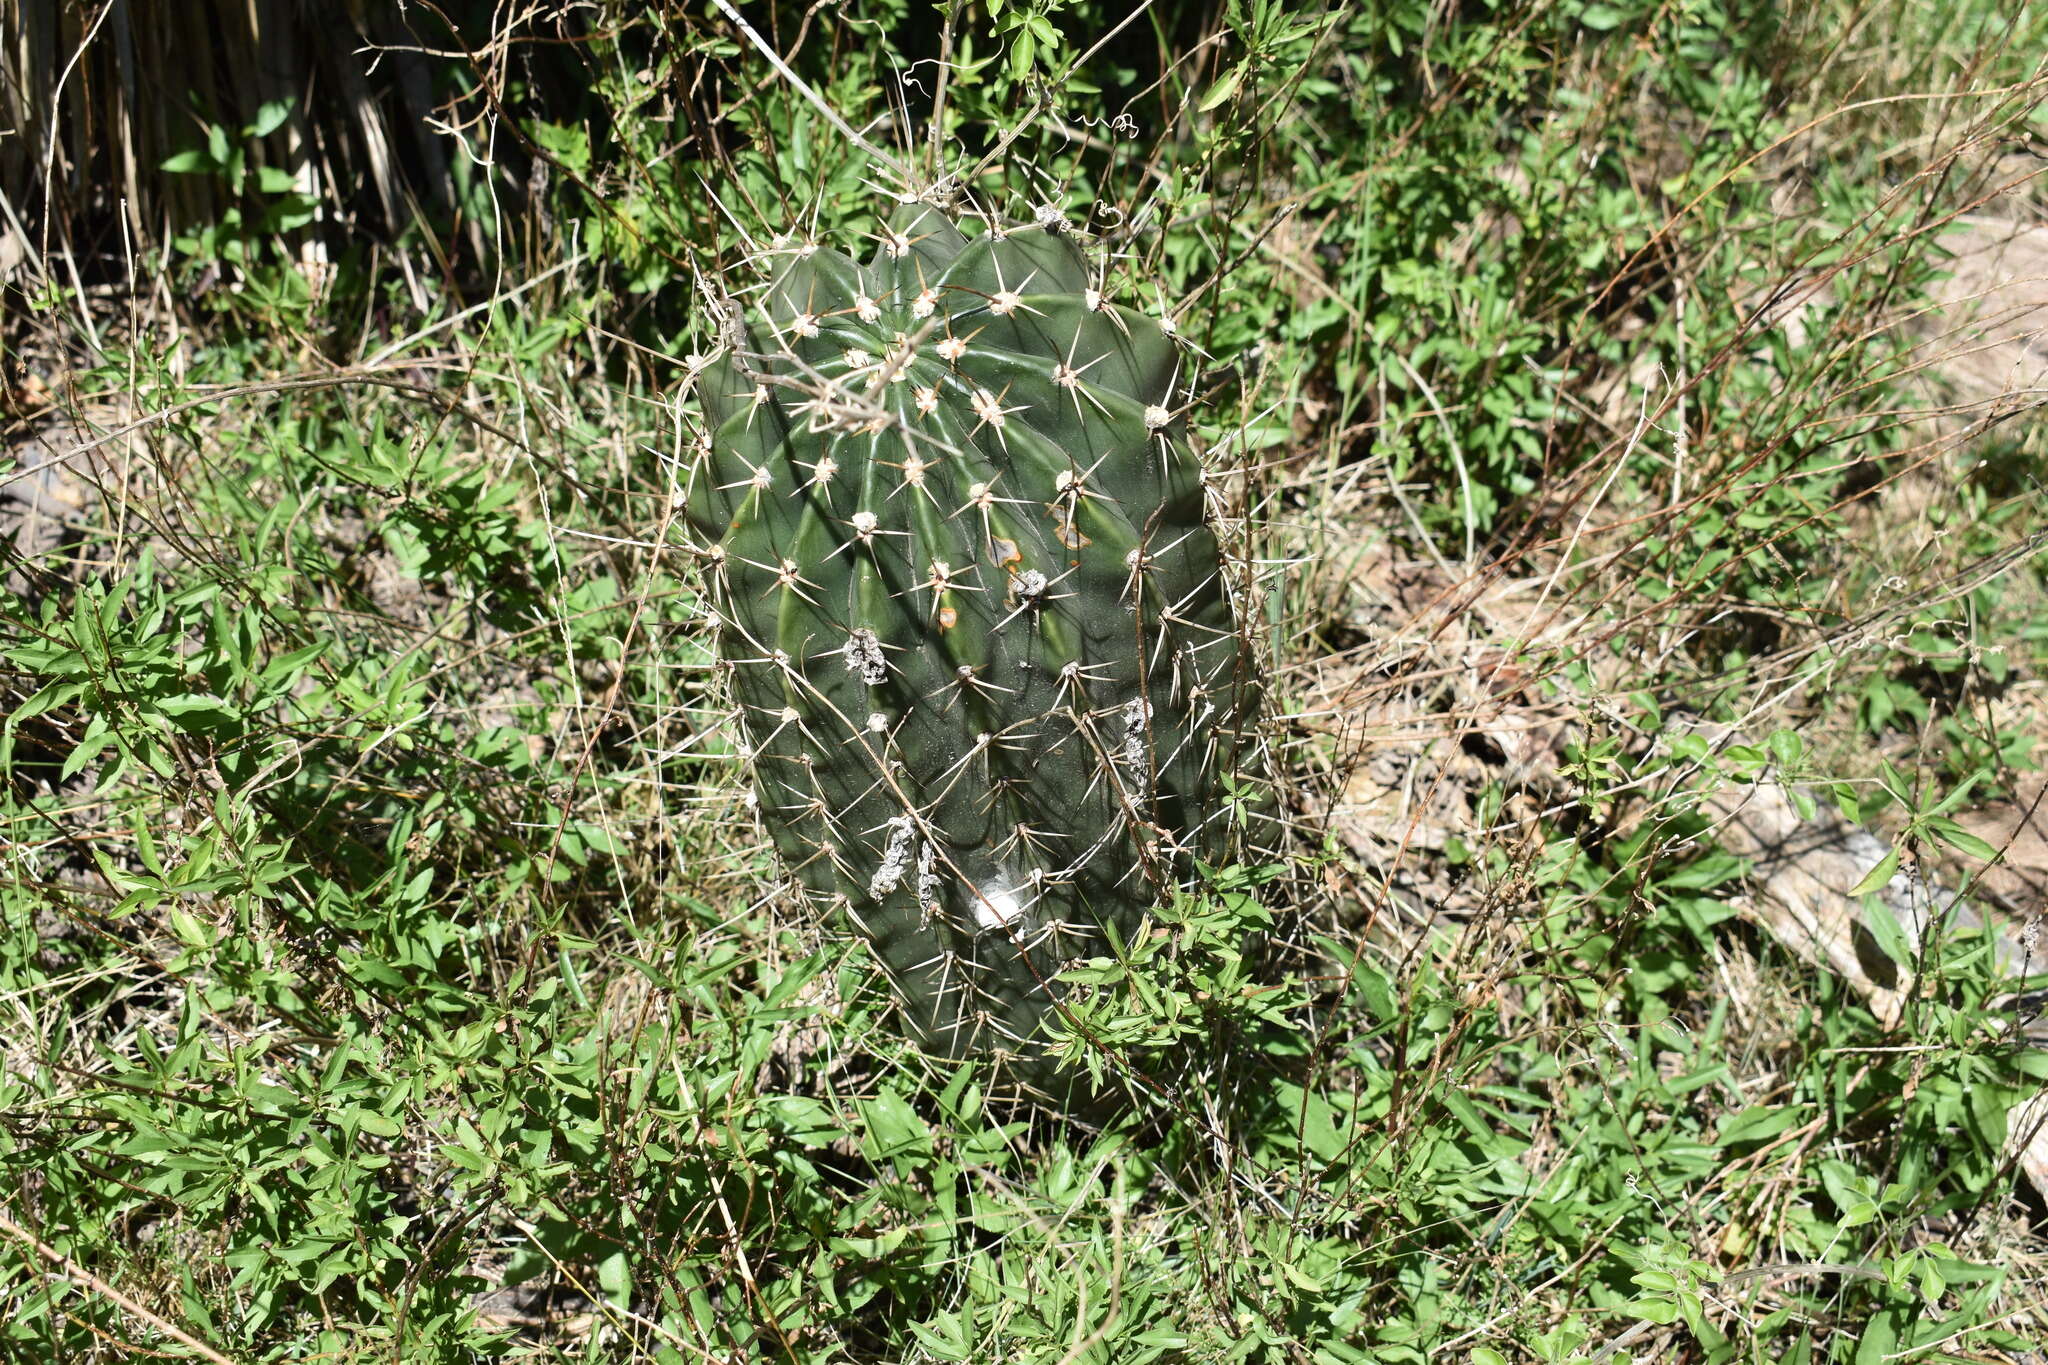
(975, 619)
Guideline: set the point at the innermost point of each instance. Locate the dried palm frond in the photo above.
(96, 96)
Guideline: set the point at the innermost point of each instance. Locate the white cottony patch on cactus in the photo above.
(997, 907)
(857, 359)
(1157, 417)
(864, 524)
(878, 721)
(864, 657)
(1031, 585)
(952, 348)
(927, 877)
(1137, 714)
(865, 308)
(823, 470)
(895, 858)
(804, 324)
(1092, 298)
(927, 401)
(923, 305)
(1004, 303)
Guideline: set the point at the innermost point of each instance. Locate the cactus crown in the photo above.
(975, 620)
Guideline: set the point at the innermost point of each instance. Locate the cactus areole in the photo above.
(976, 621)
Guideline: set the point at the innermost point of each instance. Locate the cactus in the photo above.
(976, 623)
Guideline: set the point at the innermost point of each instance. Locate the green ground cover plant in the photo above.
(396, 965)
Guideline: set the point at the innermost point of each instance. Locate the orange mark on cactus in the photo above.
(948, 618)
(1007, 553)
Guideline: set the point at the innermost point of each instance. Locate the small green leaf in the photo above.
(1224, 88)
(1961, 793)
(56, 694)
(1759, 1122)
(270, 118)
(1663, 1312)
(287, 665)
(1879, 876)
(87, 750)
(1891, 939)
(188, 928)
(599, 839)
(1301, 1281)
(615, 1278)
(374, 1123)
(1956, 837)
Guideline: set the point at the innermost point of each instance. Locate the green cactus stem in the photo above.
(976, 622)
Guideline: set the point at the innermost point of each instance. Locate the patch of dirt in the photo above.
(545, 1309)
(2018, 829)
(1981, 341)
(1986, 337)
(1440, 707)
(46, 501)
